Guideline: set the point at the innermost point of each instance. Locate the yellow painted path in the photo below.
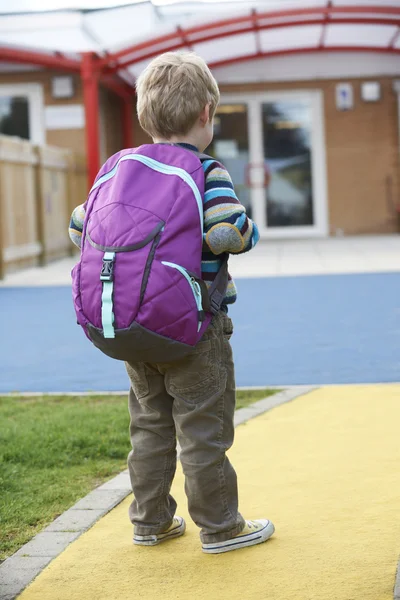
(324, 468)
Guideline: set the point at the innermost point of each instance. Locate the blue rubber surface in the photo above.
(292, 330)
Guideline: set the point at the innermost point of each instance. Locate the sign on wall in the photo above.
(344, 96)
(371, 91)
(62, 87)
(66, 116)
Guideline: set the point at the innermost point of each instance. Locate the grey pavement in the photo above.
(327, 256)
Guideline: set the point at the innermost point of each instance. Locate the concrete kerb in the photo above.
(244, 388)
(396, 591)
(22, 567)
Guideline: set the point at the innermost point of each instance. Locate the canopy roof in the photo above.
(125, 38)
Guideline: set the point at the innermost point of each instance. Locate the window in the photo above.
(21, 111)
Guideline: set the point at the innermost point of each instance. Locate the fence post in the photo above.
(2, 265)
(71, 189)
(40, 207)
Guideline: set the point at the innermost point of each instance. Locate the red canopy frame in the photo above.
(254, 22)
(105, 70)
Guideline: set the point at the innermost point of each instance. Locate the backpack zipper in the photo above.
(194, 286)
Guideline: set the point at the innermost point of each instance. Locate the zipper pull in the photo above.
(200, 312)
(196, 287)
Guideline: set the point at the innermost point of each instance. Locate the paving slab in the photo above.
(101, 499)
(396, 593)
(120, 482)
(49, 543)
(75, 520)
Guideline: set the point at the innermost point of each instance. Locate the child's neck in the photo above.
(177, 139)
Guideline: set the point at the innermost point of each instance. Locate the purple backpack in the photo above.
(137, 289)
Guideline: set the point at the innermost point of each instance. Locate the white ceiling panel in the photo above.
(290, 37)
(48, 21)
(359, 35)
(229, 47)
(380, 3)
(137, 68)
(300, 67)
(67, 40)
(116, 27)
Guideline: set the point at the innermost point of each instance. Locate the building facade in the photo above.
(311, 140)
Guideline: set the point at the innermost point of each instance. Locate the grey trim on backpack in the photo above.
(217, 291)
(130, 248)
(138, 344)
(201, 156)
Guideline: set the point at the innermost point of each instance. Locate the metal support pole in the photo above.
(396, 89)
(90, 80)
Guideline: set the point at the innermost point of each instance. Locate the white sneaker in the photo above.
(176, 529)
(254, 532)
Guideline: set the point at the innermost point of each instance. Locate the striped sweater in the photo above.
(227, 228)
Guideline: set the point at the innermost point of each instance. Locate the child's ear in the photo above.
(205, 115)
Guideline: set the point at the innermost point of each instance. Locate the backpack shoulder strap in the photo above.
(213, 300)
(217, 291)
(201, 156)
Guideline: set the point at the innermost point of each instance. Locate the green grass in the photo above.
(246, 397)
(54, 450)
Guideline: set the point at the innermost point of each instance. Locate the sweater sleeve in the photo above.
(226, 225)
(76, 225)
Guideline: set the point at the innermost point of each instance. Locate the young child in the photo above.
(192, 399)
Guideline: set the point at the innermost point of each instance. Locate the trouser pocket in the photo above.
(198, 376)
(138, 379)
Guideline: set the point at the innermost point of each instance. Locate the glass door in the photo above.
(231, 147)
(287, 153)
(282, 176)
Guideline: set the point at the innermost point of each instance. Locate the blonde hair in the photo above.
(171, 93)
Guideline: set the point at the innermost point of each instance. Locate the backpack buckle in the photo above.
(215, 301)
(107, 269)
(214, 306)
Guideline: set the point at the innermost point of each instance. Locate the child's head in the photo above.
(176, 99)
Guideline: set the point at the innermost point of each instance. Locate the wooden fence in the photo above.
(39, 187)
